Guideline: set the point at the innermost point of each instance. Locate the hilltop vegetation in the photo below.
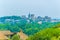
(35, 31)
(27, 28)
(52, 33)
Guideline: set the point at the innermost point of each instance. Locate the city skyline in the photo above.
(42, 8)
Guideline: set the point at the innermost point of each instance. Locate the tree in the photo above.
(31, 28)
(3, 27)
(14, 28)
(57, 25)
(46, 34)
(16, 37)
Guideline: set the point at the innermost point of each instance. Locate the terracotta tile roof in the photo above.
(6, 32)
(22, 35)
(2, 36)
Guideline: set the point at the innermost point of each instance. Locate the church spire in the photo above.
(29, 15)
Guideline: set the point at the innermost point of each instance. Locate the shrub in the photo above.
(16, 37)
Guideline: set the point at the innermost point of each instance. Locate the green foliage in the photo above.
(30, 28)
(46, 34)
(3, 27)
(16, 37)
(9, 39)
(14, 29)
(57, 25)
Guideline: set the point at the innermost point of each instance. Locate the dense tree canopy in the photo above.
(28, 28)
(46, 34)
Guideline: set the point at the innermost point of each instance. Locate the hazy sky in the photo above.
(38, 7)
